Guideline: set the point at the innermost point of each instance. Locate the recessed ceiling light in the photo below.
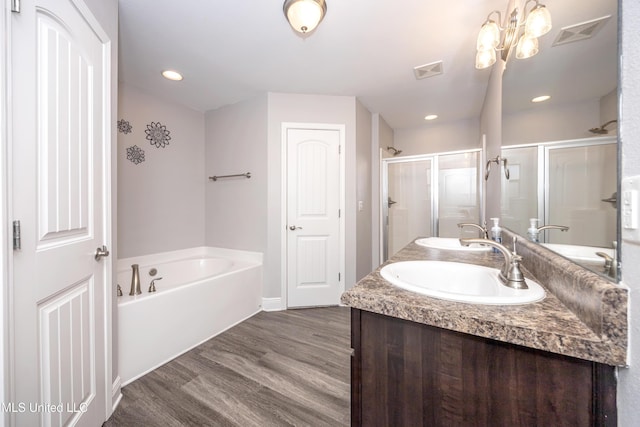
(431, 117)
(172, 75)
(541, 98)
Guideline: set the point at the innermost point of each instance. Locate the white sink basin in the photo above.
(460, 282)
(579, 253)
(450, 243)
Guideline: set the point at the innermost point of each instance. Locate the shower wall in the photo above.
(160, 188)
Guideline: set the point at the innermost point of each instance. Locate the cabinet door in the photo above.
(413, 374)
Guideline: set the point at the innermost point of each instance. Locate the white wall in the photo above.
(364, 168)
(307, 109)
(161, 200)
(437, 138)
(236, 208)
(559, 123)
(629, 379)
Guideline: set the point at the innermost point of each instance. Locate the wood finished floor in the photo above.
(287, 368)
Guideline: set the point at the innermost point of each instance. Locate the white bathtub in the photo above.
(203, 292)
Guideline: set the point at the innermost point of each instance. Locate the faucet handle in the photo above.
(515, 278)
(152, 286)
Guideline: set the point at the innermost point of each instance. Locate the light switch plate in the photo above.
(629, 211)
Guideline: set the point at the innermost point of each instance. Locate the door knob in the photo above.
(101, 252)
(293, 228)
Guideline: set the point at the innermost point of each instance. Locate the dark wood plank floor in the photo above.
(287, 368)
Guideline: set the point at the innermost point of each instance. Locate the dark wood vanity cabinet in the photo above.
(409, 374)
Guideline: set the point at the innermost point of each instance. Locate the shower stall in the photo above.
(428, 195)
(570, 183)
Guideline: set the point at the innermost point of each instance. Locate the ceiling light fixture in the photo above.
(304, 15)
(172, 75)
(492, 37)
(541, 98)
(431, 117)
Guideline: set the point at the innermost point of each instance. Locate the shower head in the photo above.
(394, 151)
(601, 130)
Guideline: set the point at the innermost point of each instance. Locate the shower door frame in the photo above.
(384, 201)
(435, 188)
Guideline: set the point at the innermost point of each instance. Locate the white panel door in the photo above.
(313, 221)
(60, 140)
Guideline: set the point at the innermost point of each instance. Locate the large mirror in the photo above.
(562, 153)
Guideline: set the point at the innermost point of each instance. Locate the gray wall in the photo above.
(364, 230)
(236, 208)
(629, 379)
(437, 138)
(161, 200)
(559, 123)
(382, 136)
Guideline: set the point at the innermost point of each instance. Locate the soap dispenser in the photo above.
(533, 232)
(496, 232)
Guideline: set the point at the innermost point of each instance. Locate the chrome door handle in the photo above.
(101, 252)
(293, 228)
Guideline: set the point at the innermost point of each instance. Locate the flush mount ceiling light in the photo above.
(304, 15)
(172, 75)
(541, 98)
(525, 28)
(431, 117)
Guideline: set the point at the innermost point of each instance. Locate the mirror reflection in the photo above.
(562, 153)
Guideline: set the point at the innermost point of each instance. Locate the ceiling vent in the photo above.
(582, 31)
(428, 70)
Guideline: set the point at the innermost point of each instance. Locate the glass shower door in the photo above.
(409, 206)
(459, 198)
(579, 180)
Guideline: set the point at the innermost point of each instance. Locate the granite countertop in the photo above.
(547, 325)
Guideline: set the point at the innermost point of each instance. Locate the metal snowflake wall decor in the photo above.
(135, 154)
(158, 134)
(124, 126)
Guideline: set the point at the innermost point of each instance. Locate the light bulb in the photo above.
(485, 58)
(527, 47)
(489, 36)
(304, 15)
(538, 21)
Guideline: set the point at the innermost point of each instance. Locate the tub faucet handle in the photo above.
(152, 286)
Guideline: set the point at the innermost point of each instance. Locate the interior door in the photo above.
(313, 217)
(60, 141)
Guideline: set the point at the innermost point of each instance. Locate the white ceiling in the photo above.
(229, 51)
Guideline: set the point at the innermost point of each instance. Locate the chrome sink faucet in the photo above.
(553, 227)
(510, 274)
(485, 232)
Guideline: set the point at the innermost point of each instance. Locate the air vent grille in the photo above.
(582, 31)
(428, 70)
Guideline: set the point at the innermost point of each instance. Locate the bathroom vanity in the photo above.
(419, 360)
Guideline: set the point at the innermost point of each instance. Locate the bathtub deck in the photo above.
(274, 369)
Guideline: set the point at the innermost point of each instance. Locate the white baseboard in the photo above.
(272, 304)
(116, 394)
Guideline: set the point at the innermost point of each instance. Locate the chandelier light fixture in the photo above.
(525, 29)
(304, 15)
